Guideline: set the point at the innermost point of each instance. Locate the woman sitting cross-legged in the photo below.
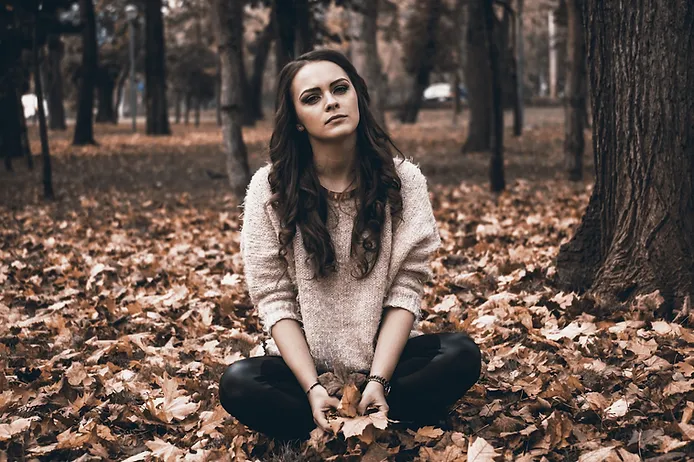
(337, 240)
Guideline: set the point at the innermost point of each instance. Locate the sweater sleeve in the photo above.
(269, 285)
(415, 240)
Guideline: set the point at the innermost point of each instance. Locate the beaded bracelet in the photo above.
(312, 387)
(377, 378)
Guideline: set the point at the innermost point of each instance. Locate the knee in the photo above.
(234, 383)
(467, 353)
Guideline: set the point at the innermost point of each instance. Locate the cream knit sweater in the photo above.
(340, 315)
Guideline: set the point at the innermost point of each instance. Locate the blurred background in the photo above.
(147, 65)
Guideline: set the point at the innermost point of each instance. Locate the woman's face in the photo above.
(325, 101)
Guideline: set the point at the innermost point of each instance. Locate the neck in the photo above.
(335, 161)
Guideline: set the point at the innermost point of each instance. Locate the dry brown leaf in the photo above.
(481, 451)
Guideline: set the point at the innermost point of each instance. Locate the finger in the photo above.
(322, 422)
(362, 406)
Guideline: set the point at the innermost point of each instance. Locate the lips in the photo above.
(335, 117)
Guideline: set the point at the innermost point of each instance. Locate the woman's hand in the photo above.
(373, 395)
(320, 402)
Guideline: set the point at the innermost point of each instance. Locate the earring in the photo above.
(300, 127)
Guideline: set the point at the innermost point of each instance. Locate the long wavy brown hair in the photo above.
(298, 197)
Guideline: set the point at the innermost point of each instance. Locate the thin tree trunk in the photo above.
(637, 235)
(293, 30)
(518, 114)
(255, 84)
(24, 132)
(178, 103)
(478, 78)
(366, 59)
(155, 71)
(43, 130)
(84, 127)
(105, 112)
(197, 111)
(218, 93)
(189, 102)
(575, 100)
(552, 31)
(409, 112)
(496, 165)
(227, 19)
(56, 108)
(120, 84)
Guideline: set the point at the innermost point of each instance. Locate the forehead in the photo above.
(316, 74)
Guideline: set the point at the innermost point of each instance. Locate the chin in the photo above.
(337, 133)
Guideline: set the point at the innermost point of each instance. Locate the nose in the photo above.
(331, 102)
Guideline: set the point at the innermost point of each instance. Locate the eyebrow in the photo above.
(317, 88)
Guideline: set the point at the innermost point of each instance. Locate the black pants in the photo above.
(433, 372)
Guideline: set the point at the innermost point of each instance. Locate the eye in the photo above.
(341, 89)
(310, 99)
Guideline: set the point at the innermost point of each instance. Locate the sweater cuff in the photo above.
(272, 314)
(405, 298)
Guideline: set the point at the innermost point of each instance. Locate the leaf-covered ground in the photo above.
(122, 303)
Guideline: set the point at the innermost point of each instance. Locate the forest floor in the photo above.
(123, 301)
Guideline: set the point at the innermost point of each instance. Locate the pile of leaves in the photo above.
(120, 311)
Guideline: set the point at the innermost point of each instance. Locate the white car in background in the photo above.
(442, 92)
(31, 106)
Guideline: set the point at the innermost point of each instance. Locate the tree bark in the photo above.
(496, 164)
(189, 103)
(10, 124)
(518, 113)
(366, 59)
(255, 84)
(155, 71)
(637, 235)
(575, 99)
(105, 112)
(84, 127)
(478, 78)
(24, 132)
(197, 111)
(227, 20)
(178, 103)
(56, 108)
(409, 112)
(293, 30)
(43, 130)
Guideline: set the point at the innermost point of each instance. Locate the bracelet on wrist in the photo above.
(312, 387)
(377, 378)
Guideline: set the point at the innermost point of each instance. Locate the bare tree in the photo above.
(227, 20)
(155, 70)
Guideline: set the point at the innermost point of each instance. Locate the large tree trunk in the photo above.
(255, 84)
(84, 127)
(478, 78)
(105, 112)
(227, 17)
(365, 55)
(575, 100)
(408, 113)
(155, 71)
(638, 233)
(496, 163)
(56, 109)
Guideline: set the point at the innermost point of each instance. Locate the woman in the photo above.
(336, 242)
